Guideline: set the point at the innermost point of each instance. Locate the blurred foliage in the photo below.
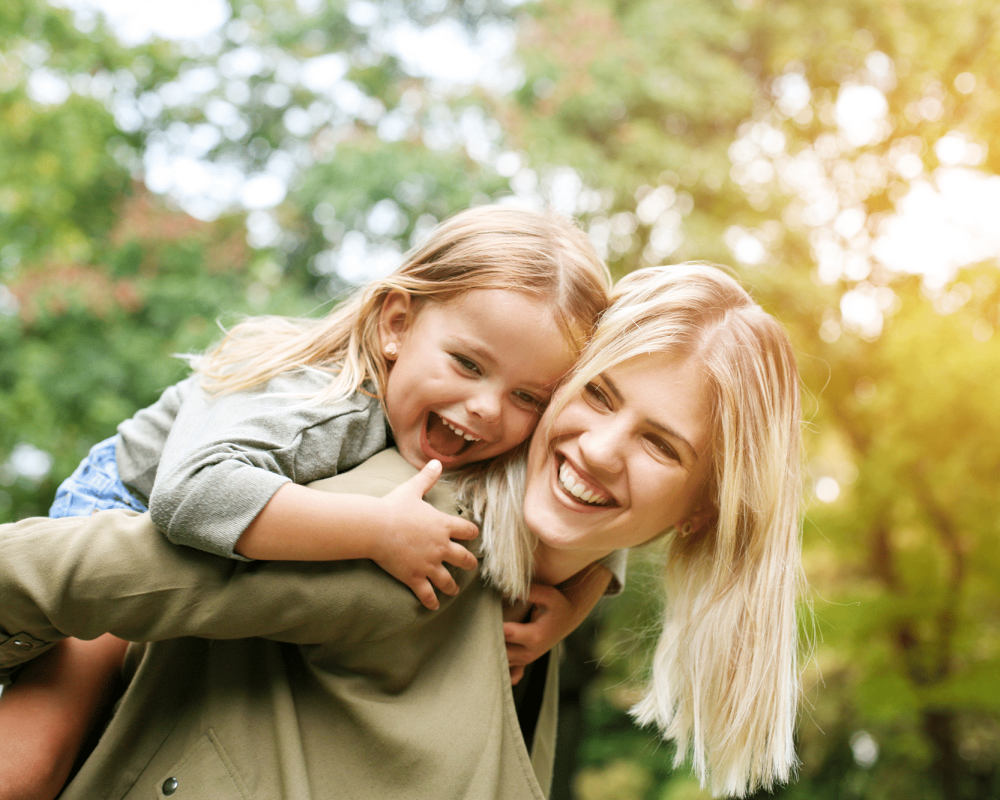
(673, 130)
(704, 125)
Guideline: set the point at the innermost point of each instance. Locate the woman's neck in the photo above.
(553, 566)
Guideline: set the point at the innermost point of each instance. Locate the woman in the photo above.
(683, 415)
(682, 419)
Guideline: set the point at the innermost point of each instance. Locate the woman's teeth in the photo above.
(567, 479)
(467, 436)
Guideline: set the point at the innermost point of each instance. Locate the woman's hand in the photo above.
(551, 616)
(418, 540)
(550, 619)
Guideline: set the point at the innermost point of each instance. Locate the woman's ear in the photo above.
(702, 517)
(393, 320)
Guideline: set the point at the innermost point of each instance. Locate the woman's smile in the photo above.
(622, 461)
(581, 488)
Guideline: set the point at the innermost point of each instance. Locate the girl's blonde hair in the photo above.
(724, 683)
(487, 247)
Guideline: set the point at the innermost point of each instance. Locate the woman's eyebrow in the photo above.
(612, 387)
(665, 429)
(674, 434)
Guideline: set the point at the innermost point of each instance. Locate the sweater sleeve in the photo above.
(113, 572)
(142, 437)
(225, 457)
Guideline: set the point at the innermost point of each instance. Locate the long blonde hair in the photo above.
(724, 683)
(487, 247)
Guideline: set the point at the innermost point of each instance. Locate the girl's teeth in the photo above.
(467, 436)
(568, 481)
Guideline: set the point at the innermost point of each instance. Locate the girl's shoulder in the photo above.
(309, 386)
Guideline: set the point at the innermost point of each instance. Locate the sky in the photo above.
(136, 22)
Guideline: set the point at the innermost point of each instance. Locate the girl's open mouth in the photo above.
(445, 438)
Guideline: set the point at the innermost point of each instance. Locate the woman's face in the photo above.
(624, 460)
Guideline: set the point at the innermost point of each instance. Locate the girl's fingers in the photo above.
(516, 633)
(463, 529)
(543, 596)
(424, 480)
(460, 557)
(425, 594)
(443, 580)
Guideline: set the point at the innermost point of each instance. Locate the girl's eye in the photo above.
(466, 364)
(596, 395)
(528, 400)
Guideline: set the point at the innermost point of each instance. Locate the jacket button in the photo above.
(169, 786)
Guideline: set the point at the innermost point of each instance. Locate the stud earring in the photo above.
(390, 349)
(686, 529)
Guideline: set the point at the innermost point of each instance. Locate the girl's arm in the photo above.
(553, 613)
(226, 457)
(46, 716)
(407, 537)
(230, 481)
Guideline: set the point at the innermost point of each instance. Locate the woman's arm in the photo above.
(46, 716)
(113, 572)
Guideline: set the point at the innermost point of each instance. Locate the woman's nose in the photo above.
(601, 446)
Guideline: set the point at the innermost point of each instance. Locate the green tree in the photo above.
(676, 130)
(101, 282)
(721, 131)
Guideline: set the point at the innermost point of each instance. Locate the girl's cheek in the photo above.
(526, 424)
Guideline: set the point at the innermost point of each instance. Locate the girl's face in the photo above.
(470, 376)
(624, 460)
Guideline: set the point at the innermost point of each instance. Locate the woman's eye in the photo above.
(466, 364)
(664, 447)
(596, 395)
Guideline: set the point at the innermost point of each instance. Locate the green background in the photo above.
(702, 129)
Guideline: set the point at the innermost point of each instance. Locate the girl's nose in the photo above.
(486, 405)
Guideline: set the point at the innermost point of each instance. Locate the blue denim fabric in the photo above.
(94, 486)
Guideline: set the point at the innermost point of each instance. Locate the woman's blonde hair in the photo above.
(724, 683)
(486, 247)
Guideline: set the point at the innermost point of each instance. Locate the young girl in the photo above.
(451, 359)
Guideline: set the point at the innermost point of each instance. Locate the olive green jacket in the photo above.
(350, 688)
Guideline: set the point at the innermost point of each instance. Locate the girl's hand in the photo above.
(551, 619)
(417, 539)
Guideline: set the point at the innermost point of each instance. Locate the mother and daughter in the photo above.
(306, 671)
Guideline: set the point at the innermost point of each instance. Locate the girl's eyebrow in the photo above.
(673, 433)
(479, 349)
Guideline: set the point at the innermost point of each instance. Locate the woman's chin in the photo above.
(551, 528)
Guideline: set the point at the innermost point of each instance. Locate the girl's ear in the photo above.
(393, 320)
